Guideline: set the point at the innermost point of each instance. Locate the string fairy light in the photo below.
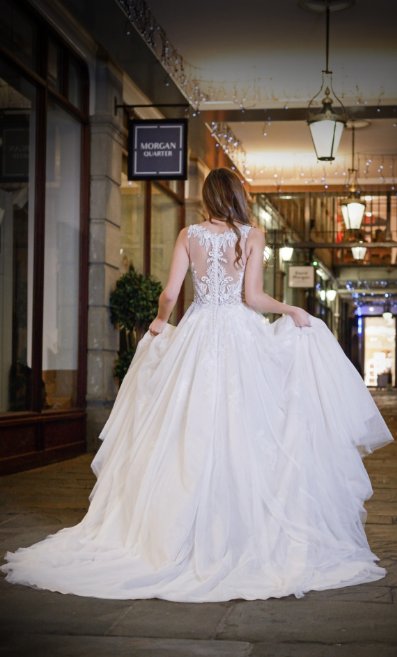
(185, 76)
(199, 91)
(227, 140)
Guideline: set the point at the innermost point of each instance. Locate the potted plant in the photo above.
(133, 306)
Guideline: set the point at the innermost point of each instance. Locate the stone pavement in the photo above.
(358, 621)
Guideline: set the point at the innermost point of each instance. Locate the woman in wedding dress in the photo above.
(231, 462)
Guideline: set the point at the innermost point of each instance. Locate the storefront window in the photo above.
(61, 264)
(164, 231)
(17, 158)
(64, 73)
(132, 223)
(380, 351)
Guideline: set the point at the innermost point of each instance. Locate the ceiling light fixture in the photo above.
(326, 126)
(359, 252)
(353, 207)
(387, 313)
(286, 252)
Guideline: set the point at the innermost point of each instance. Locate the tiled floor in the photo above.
(351, 622)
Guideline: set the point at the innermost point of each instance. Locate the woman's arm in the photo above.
(254, 295)
(168, 297)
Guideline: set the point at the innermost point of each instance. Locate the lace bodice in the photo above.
(217, 280)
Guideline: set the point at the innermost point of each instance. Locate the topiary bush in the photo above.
(122, 363)
(133, 306)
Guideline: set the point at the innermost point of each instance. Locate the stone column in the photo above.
(105, 213)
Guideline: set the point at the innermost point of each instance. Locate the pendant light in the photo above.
(353, 207)
(331, 295)
(286, 252)
(359, 252)
(387, 313)
(326, 126)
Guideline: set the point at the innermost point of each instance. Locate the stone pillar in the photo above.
(105, 213)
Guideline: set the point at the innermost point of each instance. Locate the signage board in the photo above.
(157, 149)
(301, 276)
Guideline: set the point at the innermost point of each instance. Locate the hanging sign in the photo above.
(301, 276)
(157, 149)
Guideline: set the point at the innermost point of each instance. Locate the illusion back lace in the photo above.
(217, 280)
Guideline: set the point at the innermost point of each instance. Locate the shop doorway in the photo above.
(380, 351)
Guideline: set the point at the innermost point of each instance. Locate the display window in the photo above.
(44, 193)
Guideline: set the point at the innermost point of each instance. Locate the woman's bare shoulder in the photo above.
(256, 236)
(183, 237)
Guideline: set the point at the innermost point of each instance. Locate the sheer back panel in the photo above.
(217, 278)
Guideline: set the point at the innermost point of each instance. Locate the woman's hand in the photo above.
(157, 326)
(300, 316)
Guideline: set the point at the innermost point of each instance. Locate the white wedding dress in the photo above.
(231, 463)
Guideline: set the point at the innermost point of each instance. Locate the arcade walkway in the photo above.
(353, 622)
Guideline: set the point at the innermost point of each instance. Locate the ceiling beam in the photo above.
(358, 112)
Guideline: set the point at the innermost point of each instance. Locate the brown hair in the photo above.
(225, 198)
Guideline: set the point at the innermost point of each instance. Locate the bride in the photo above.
(231, 462)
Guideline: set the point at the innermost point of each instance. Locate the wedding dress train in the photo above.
(231, 463)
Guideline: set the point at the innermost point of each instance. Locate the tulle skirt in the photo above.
(230, 468)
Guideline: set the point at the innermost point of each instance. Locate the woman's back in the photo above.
(217, 272)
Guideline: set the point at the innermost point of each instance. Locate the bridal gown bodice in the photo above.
(231, 462)
(217, 280)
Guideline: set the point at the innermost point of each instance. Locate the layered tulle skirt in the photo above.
(231, 468)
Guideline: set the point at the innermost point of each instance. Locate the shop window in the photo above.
(18, 33)
(54, 62)
(61, 263)
(132, 223)
(17, 163)
(164, 231)
(380, 351)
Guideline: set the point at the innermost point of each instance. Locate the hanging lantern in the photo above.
(326, 129)
(331, 295)
(353, 212)
(286, 253)
(326, 126)
(387, 313)
(359, 252)
(353, 207)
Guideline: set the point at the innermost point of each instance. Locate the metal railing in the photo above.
(313, 221)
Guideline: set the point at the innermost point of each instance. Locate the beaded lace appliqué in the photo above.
(216, 287)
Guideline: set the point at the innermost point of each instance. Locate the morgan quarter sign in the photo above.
(157, 149)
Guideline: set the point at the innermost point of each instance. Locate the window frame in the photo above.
(44, 91)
